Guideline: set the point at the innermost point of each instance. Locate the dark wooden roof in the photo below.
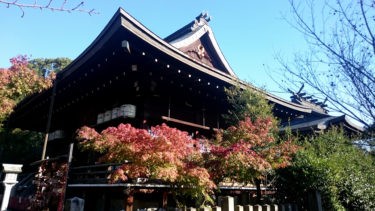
(320, 122)
(80, 82)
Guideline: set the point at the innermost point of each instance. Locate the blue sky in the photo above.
(250, 33)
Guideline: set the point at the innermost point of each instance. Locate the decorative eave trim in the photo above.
(189, 38)
(195, 35)
(220, 53)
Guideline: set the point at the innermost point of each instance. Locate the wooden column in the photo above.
(128, 199)
(165, 199)
(49, 117)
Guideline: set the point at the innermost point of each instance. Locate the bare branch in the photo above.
(341, 61)
(49, 5)
(367, 25)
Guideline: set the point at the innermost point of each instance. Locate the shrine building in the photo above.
(128, 74)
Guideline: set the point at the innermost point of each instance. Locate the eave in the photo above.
(122, 23)
(323, 123)
(131, 24)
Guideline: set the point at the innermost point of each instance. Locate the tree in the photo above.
(330, 164)
(245, 152)
(46, 65)
(250, 149)
(340, 63)
(17, 82)
(246, 103)
(248, 152)
(162, 153)
(64, 6)
(20, 146)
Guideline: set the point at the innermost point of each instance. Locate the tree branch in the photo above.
(48, 5)
(341, 62)
(367, 25)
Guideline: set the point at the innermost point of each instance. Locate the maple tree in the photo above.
(248, 152)
(17, 82)
(250, 149)
(245, 152)
(161, 153)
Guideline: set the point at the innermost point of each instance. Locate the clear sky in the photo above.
(250, 33)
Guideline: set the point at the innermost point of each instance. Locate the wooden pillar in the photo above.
(165, 199)
(128, 199)
(49, 117)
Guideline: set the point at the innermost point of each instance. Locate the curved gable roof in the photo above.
(123, 23)
(198, 41)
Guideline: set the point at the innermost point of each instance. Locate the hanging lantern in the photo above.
(127, 110)
(115, 112)
(57, 134)
(107, 115)
(100, 118)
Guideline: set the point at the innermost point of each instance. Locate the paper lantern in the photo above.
(127, 110)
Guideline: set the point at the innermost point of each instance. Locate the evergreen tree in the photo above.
(329, 163)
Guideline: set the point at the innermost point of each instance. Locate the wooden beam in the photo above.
(169, 119)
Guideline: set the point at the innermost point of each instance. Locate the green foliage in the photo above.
(16, 83)
(368, 142)
(332, 165)
(246, 103)
(17, 146)
(52, 64)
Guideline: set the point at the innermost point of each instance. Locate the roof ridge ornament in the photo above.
(204, 15)
(302, 99)
(201, 20)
